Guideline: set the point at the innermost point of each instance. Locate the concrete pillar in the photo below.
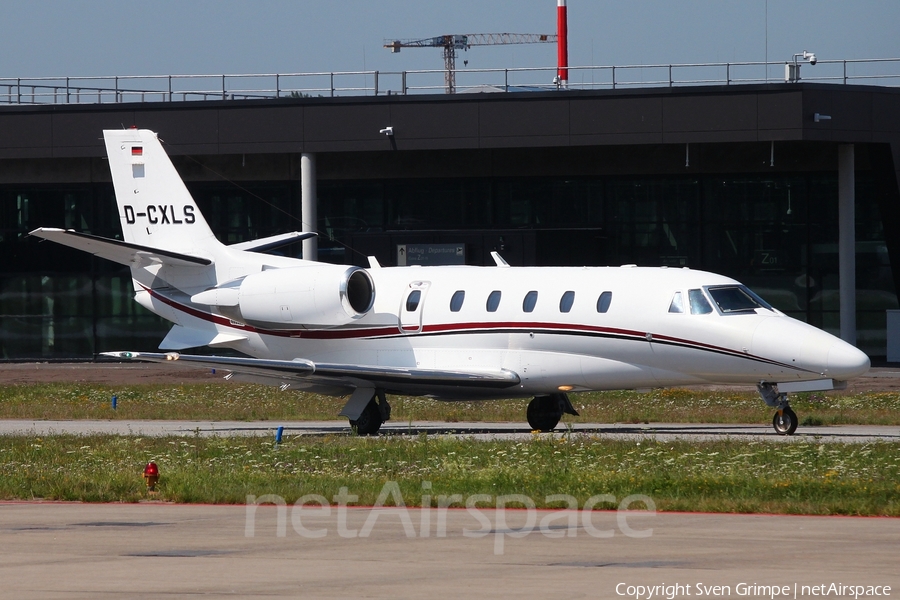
(847, 241)
(308, 200)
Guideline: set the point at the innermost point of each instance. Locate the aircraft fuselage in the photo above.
(548, 325)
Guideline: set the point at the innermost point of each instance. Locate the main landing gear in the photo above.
(785, 420)
(367, 409)
(544, 412)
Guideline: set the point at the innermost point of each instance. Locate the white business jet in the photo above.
(450, 332)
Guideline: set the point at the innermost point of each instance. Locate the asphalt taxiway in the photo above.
(73, 551)
(480, 430)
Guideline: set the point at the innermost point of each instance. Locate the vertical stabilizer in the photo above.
(155, 208)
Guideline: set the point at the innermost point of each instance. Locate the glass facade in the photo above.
(775, 233)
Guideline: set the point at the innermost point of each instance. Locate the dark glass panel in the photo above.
(565, 303)
(493, 301)
(530, 301)
(547, 202)
(131, 333)
(46, 295)
(412, 301)
(756, 230)
(603, 302)
(699, 304)
(676, 306)
(249, 212)
(435, 203)
(115, 296)
(46, 337)
(655, 222)
(457, 300)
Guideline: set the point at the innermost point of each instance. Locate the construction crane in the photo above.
(452, 43)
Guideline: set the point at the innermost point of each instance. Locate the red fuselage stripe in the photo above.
(484, 327)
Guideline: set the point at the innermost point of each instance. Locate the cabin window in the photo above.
(699, 303)
(456, 301)
(565, 303)
(676, 306)
(530, 301)
(493, 301)
(603, 302)
(412, 301)
(736, 299)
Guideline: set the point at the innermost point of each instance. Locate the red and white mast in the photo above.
(562, 43)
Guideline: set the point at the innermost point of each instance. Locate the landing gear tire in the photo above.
(369, 422)
(543, 413)
(785, 421)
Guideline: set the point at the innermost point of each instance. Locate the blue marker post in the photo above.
(115, 401)
(278, 435)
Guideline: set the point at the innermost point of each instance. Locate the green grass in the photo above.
(721, 476)
(223, 401)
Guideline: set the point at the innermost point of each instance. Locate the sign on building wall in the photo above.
(431, 254)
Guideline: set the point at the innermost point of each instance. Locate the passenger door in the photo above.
(411, 306)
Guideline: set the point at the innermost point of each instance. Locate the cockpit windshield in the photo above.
(732, 299)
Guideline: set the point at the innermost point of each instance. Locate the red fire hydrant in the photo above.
(151, 475)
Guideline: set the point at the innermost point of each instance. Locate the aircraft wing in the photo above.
(333, 373)
(124, 253)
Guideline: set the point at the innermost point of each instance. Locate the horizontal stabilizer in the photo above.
(124, 253)
(180, 337)
(378, 376)
(275, 241)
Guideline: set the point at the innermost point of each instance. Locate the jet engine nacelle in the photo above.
(304, 297)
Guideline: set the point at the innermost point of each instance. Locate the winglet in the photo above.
(499, 259)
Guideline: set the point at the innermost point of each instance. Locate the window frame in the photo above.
(710, 289)
(527, 306)
(493, 301)
(603, 307)
(697, 307)
(457, 300)
(417, 302)
(567, 301)
(679, 305)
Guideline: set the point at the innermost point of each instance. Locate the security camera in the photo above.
(812, 59)
(387, 131)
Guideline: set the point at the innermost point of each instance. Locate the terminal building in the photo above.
(791, 188)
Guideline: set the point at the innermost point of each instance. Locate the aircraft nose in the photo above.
(808, 349)
(846, 361)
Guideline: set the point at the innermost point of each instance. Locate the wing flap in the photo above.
(284, 369)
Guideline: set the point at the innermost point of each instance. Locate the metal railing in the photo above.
(172, 88)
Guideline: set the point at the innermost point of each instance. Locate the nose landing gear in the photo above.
(785, 420)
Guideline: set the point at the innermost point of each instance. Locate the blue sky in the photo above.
(127, 37)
